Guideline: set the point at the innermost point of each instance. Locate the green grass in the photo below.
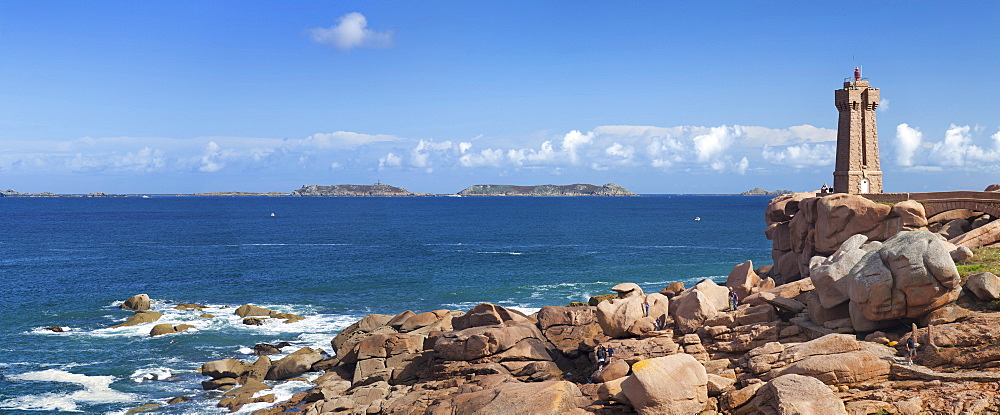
(983, 260)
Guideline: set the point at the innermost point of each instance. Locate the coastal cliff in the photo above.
(609, 189)
(353, 190)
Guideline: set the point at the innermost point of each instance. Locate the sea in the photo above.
(70, 262)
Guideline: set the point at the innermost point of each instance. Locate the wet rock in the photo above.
(224, 368)
(167, 328)
(264, 348)
(140, 317)
(295, 364)
(138, 302)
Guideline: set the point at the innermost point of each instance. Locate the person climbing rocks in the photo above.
(646, 305)
(734, 300)
(602, 357)
(911, 350)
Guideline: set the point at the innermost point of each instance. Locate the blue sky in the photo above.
(660, 97)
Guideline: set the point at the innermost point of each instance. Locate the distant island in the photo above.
(378, 190)
(609, 189)
(761, 192)
(355, 190)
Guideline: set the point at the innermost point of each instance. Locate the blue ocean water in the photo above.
(69, 262)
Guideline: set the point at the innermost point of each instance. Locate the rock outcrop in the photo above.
(676, 384)
(138, 302)
(908, 276)
(633, 313)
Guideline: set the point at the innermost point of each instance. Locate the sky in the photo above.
(659, 97)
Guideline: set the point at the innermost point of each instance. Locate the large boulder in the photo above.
(295, 364)
(676, 384)
(632, 313)
(487, 314)
(474, 343)
(908, 215)
(138, 302)
(553, 397)
(799, 395)
(840, 216)
(833, 359)
(225, 368)
(742, 279)
(140, 317)
(692, 307)
(368, 325)
(828, 276)
(985, 286)
(911, 274)
(573, 330)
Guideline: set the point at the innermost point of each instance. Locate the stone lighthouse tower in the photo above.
(857, 170)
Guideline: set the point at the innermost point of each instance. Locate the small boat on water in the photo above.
(272, 214)
(697, 218)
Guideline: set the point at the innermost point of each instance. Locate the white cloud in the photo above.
(742, 166)
(789, 136)
(956, 151)
(801, 156)
(210, 161)
(342, 140)
(883, 104)
(390, 160)
(351, 31)
(956, 144)
(709, 146)
(908, 140)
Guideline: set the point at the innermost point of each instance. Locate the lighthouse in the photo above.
(857, 170)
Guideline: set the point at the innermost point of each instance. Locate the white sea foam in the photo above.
(500, 252)
(225, 320)
(96, 389)
(151, 373)
(282, 392)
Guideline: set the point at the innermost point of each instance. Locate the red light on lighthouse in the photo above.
(857, 74)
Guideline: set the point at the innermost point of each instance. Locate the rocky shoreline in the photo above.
(832, 341)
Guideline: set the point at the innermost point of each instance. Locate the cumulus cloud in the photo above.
(908, 140)
(883, 104)
(351, 31)
(718, 149)
(615, 148)
(801, 156)
(788, 136)
(957, 150)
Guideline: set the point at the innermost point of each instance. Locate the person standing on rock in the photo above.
(646, 305)
(602, 357)
(734, 300)
(611, 353)
(911, 350)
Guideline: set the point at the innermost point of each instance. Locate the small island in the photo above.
(609, 189)
(354, 190)
(761, 192)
